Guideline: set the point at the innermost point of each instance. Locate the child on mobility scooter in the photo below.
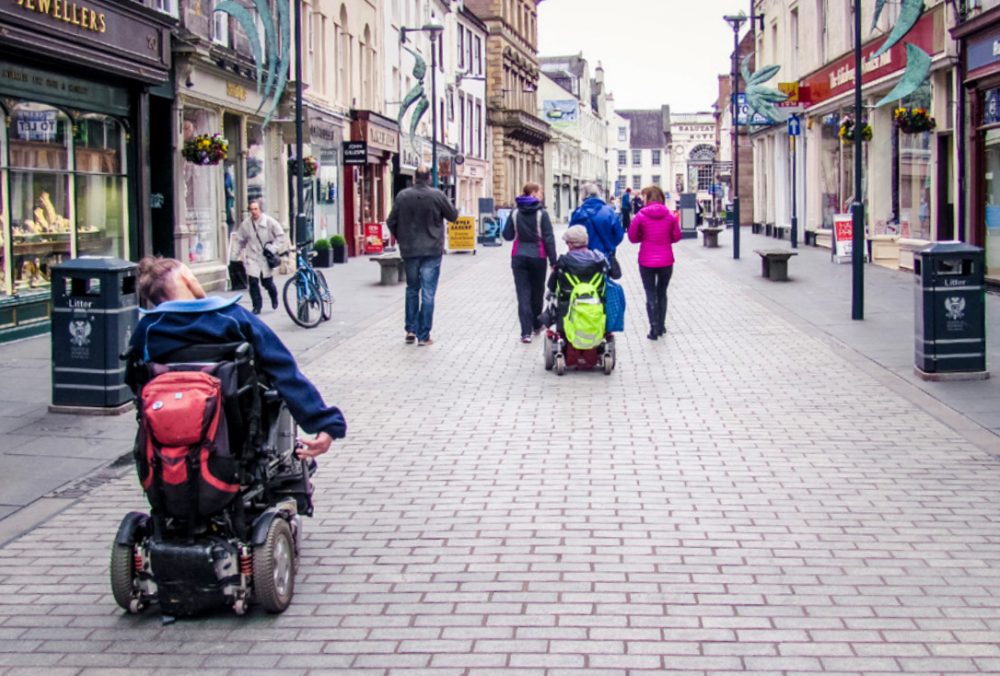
(575, 319)
(217, 395)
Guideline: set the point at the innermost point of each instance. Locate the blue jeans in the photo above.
(422, 273)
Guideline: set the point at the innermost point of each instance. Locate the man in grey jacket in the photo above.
(417, 222)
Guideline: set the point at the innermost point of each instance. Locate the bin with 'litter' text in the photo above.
(950, 314)
(94, 312)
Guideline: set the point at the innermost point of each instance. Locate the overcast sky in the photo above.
(653, 51)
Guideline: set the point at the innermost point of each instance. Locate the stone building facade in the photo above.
(518, 134)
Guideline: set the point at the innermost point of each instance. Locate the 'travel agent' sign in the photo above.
(838, 77)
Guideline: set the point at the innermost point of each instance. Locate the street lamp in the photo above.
(300, 213)
(858, 208)
(736, 22)
(434, 30)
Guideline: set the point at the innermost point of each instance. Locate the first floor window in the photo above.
(636, 158)
(637, 183)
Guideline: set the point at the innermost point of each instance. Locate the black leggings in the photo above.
(272, 291)
(529, 282)
(655, 282)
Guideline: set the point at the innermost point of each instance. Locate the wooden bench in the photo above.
(391, 267)
(710, 236)
(774, 263)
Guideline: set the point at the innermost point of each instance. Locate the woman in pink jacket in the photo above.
(655, 229)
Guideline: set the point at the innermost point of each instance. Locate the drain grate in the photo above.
(84, 485)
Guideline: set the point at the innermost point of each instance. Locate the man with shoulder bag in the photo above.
(259, 242)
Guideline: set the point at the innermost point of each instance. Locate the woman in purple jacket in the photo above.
(655, 229)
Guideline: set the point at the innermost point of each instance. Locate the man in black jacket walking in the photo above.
(417, 222)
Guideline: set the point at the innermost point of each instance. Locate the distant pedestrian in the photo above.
(655, 229)
(259, 242)
(530, 228)
(417, 222)
(637, 204)
(604, 228)
(626, 208)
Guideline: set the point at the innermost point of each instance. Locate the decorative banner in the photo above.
(373, 238)
(462, 234)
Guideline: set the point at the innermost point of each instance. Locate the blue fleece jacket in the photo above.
(181, 323)
(604, 227)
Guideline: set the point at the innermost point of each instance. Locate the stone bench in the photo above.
(774, 264)
(391, 267)
(710, 236)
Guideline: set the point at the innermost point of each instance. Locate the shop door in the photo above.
(232, 175)
(161, 176)
(991, 201)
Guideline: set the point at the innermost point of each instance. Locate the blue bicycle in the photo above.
(307, 296)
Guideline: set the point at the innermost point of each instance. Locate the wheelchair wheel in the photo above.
(549, 353)
(274, 568)
(325, 297)
(609, 364)
(302, 302)
(123, 577)
(560, 365)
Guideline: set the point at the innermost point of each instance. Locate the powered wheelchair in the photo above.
(223, 529)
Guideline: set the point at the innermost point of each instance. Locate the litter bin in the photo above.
(95, 308)
(950, 312)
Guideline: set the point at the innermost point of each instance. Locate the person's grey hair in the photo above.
(576, 236)
(256, 200)
(591, 190)
(423, 173)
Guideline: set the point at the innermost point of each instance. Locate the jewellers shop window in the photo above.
(197, 235)
(101, 202)
(4, 232)
(40, 192)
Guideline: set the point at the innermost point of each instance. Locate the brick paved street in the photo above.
(738, 497)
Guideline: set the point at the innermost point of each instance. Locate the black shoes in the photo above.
(274, 303)
(652, 335)
(256, 310)
(411, 338)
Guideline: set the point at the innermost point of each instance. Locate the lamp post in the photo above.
(300, 215)
(858, 208)
(736, 22)
(434, 30)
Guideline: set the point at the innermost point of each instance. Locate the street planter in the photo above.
(323, 259)
(339, 248)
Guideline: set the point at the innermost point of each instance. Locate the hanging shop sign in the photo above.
(355, 152)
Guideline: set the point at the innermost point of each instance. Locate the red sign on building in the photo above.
(838, 77)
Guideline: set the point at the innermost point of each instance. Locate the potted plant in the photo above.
(846, 132)
(322, 249)
(206, 149)
(310, 166)
(339, 246)
(913, 120)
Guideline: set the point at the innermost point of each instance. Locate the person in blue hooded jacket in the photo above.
(604, 228)
(182, 315)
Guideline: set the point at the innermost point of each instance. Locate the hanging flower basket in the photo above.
(206, 150)
(846, 132)
(310, 166)
(913, 120)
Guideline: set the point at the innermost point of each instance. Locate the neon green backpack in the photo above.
(585, 321)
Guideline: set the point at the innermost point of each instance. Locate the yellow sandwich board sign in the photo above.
(462, 234)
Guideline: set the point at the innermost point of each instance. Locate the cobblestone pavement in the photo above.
(736, 497)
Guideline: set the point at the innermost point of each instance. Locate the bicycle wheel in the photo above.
(302, 301)
(325, 297)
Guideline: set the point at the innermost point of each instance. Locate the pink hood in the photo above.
(655, 229)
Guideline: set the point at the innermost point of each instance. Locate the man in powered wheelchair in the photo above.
(218, 396)
(575, 320)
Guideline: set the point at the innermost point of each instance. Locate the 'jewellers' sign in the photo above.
(119, 36)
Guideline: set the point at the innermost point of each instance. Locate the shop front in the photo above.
(211, 198)
(368, 180)
(323, 197)
(905, 190)
(75, 82)
(981, 67)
